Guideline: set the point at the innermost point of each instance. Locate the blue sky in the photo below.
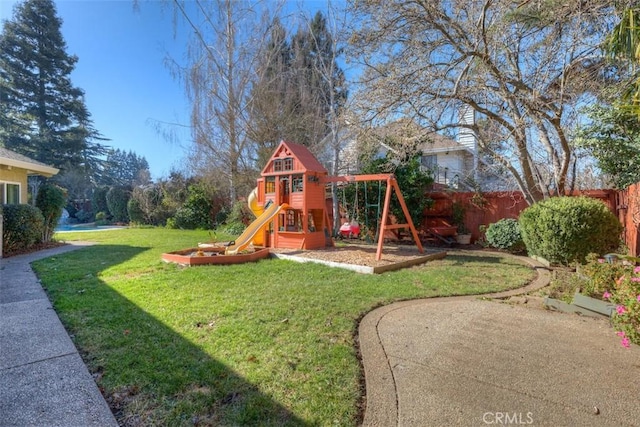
(127, 87)
(120, 68)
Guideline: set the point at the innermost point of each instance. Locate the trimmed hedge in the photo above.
(22, 227)
(117, 199)
(136, 216)
(99, 200)
(50, 200)
(564, 230)
(505, 234)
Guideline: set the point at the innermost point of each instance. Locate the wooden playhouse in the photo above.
(294, 180)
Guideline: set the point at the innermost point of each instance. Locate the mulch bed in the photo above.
(360, 254)
(35, 248)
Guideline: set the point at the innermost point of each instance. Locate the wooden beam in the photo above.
(358, 178)
(392, 185)
(383, 220)
(414, 232)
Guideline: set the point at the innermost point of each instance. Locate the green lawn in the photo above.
(267, 343)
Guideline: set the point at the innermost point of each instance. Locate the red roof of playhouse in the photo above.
(307, 161)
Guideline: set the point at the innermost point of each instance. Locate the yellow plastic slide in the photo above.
(256, 226)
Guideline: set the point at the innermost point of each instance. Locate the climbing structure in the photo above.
(290, 202)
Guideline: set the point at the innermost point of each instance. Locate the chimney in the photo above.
(467, 137)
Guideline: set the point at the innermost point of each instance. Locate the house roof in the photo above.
(307, 160)
(33, 167)
(429, 142)
(437, 143)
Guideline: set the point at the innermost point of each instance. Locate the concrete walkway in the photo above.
(477, 362)
(43, 380)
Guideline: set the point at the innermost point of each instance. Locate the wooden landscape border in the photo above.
(364, 268)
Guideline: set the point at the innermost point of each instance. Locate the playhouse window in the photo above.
(291, 221)
(288, 164)
(277, 165)
(270, 185)
(297, 184)
(294, 220)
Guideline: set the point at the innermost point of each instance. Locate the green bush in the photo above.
(505, 234)
(150, 201)
(136, 215)
(117, 199)
(22, 227)
(564, 230)
(99, 200)
(101, 218)
(232, 228)
(50, 200)
(84, 216)
(195, 213)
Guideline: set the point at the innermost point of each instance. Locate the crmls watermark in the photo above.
(508, 418)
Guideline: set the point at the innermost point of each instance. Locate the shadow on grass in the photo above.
(465, 259)
(149, 374)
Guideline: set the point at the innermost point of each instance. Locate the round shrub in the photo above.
(196, 211)
(117, 199)
(505, 234)
(50, 200)
(564, 230)
(22, 227)
(136, 215)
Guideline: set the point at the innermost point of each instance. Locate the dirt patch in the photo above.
(360, 254)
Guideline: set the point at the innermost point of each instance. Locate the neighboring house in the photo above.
(452, 162)
(15, 170)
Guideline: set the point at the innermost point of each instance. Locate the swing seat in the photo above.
(350, 229)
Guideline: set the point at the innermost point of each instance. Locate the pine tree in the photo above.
(124, 168)
(299, 84)
(42, 115)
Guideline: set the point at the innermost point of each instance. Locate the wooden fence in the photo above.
(628, 211)
(486, 208)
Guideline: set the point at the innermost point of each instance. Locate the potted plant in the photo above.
(457, 218)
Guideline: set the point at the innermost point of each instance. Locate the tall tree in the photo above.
(125, 169)
(522, 66)
(613, 138)
(273, 112)
(300, 88)
(623, 46)
(226, 35)
(300, 91)
(42, 115)
(320, 82)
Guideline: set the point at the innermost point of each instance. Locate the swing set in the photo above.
(384, 223)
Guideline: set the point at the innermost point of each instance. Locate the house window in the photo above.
(297, 183)
(277, 165)
(9, 193)
(288, 164)
(270, 185)
(429, 162)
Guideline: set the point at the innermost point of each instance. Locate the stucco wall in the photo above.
(16, 175)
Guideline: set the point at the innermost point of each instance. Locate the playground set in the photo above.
(290, 205)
